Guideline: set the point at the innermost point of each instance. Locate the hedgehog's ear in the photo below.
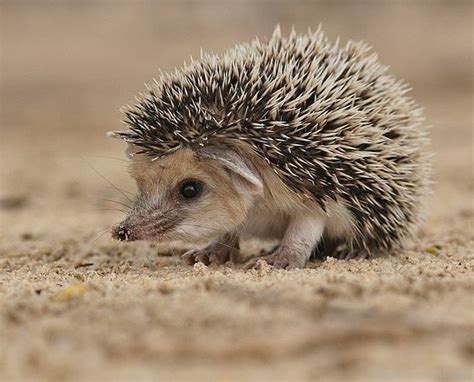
(245, 180)
(131, 150)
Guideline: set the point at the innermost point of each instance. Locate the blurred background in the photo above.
(68, 66)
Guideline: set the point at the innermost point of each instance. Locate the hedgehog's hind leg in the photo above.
(217, 252)
(327, 247)
(346, 252)
(338, 249)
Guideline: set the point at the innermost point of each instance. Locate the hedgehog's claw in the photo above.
(196, 256)
(254, 263)
(281, 258)
(216, 253)
(287, 258)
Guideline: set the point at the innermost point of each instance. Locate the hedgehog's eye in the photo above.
(190, 189)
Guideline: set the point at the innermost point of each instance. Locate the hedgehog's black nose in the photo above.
(122, 233)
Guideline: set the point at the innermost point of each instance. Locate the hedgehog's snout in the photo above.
(122, 232)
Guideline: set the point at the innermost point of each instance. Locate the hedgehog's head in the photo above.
(189, 195)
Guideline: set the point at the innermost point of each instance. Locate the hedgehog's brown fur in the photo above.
(329, 120)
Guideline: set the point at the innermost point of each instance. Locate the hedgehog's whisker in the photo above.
(117, 202)
(101, 233)
(125, 193)
(173, 252)
(104, 157)
(105, 209)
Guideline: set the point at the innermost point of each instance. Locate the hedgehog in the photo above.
(294, 139)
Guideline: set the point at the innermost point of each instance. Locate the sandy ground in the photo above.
(74, 305)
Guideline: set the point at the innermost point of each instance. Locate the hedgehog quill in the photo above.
(293, 138)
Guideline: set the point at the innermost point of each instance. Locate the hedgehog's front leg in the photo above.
(219, 251)
(301, 236)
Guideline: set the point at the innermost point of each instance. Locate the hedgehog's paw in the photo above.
(194, 256)
(281, 258)
(215, 253)
(255, 263)
(288, 258)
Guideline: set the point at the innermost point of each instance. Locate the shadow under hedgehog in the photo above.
(294, 139)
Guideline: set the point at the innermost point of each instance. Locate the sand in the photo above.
(75, 305)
